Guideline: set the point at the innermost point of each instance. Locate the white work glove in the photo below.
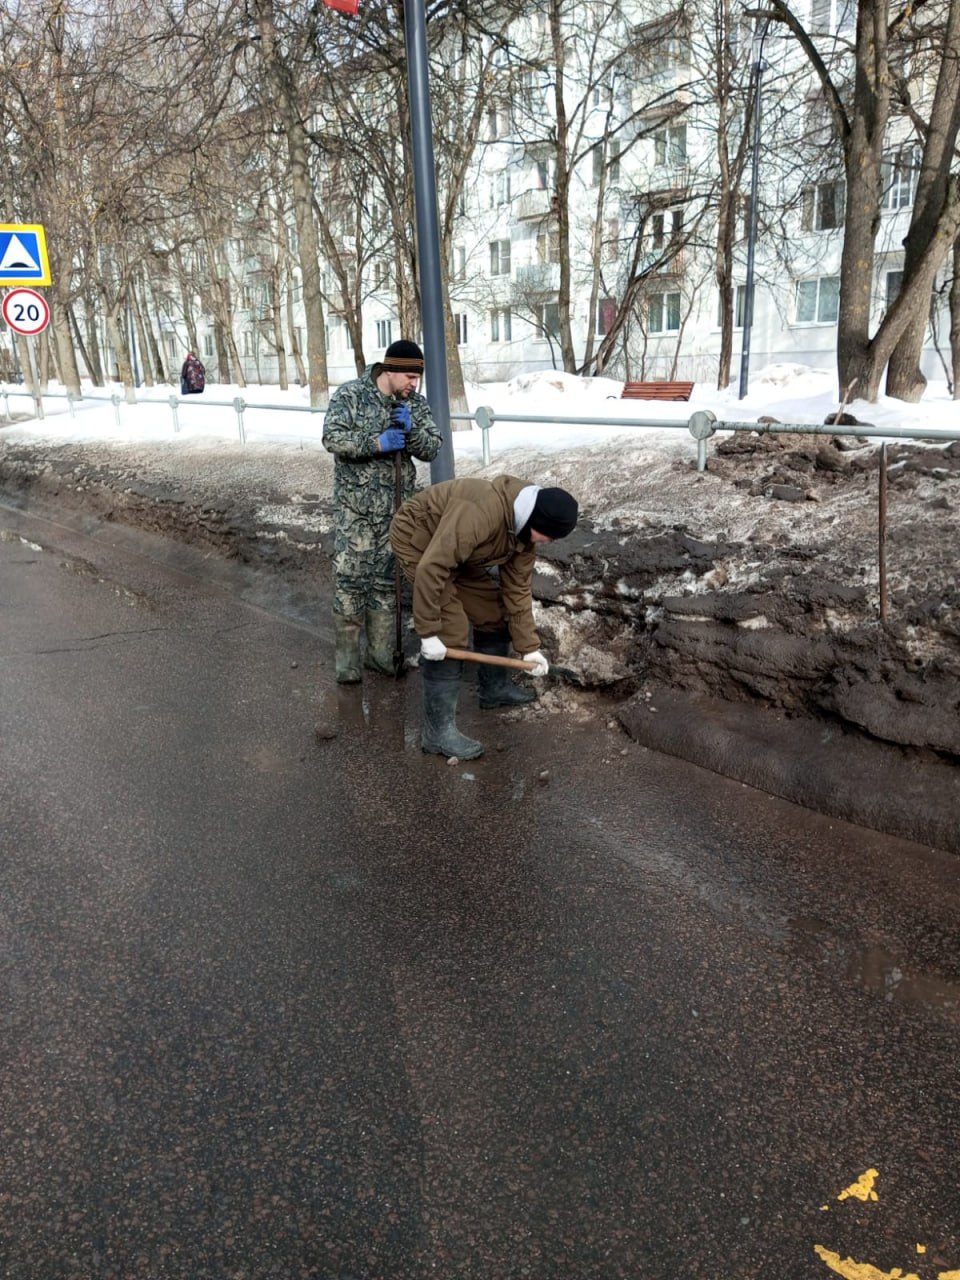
(542, 667)
(433, 649)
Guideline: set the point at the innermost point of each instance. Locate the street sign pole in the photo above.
(428, 233)
(33, 365)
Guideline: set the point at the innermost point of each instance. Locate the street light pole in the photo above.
(428, 232)
(749, 287)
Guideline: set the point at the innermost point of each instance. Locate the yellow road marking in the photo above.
(862, 1189)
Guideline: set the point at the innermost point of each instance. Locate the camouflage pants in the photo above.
(363, 566)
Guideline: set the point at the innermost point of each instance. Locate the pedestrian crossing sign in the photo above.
(23, 254)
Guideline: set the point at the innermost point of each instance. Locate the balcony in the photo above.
(531, 205)
(539, 277)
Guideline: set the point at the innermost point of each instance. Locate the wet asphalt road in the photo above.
(274, 1007)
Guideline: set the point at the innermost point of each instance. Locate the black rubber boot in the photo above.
(347, 660)
(381, 641)
(494, 684)
(441, 690)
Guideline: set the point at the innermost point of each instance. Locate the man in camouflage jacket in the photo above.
(371, 422)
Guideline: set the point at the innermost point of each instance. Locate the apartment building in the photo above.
(654, 109)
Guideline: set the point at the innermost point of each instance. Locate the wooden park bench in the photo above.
(657, 391)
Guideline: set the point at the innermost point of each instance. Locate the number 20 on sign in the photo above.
(26, 311)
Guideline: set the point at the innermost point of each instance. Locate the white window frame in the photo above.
(548, 322)
(822, 298)
(500, 258)
(899, 173)
(659, 308)
(670, 146)
(501, 324)
(384, 334)
(824, 206)
(739, 307)
(461, 325)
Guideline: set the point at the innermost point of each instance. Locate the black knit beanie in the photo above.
(403, 357)
(554, 513)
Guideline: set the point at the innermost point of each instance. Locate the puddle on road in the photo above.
(875, 969)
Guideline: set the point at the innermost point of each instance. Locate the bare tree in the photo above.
(861, 112)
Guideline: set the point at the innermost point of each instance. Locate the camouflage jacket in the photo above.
(363, 481)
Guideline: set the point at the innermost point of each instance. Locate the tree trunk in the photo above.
(863, 150)
(124, 370)
(294, 344)
(277, 321)
(955, 321)
(152, 321)
(931, 204)
(301, 188)
(80, 345)
(561, 202)
(97, 372)
(66, 352)
(224, 371)
(145, 371)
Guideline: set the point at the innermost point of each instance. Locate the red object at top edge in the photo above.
(345, 6)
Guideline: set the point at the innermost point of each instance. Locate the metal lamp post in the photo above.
(749, 287)
(428, 232)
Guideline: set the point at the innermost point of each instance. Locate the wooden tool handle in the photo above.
(490, 659)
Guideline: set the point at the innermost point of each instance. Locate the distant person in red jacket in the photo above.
(193, 376)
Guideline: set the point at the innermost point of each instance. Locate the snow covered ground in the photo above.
(790, 393)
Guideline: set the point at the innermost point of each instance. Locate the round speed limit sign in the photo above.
(26, 311)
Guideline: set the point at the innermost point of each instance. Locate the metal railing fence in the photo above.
(702, 424)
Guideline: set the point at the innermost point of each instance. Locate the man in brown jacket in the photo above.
(447, 540)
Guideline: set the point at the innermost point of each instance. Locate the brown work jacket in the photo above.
(466, 524)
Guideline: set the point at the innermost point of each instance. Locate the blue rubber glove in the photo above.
(401, 417)
(392, 440)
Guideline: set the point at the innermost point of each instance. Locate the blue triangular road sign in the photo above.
(23, 255)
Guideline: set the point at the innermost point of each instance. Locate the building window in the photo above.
(503, 187)
(823, 206)
(597, 155)
(666, 229)
(384, 333)
(818, 301)
(670, 145)
(499, 257)
(548, 247)
(171, 345)
(614, 161)
(893, 283)
(379, 275)
(548, 321)
(501, 325)
(898, 176)
(208, 344)
(832, 17)
(249, 342)
(460, 320)
(664, 312)
(739, 307)
(611, 240)
(606, 315)
(458, 264)
(498, 123)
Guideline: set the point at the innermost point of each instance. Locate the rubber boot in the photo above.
(381, 641)
(494, 684)
(347, 660)
(441, 690)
